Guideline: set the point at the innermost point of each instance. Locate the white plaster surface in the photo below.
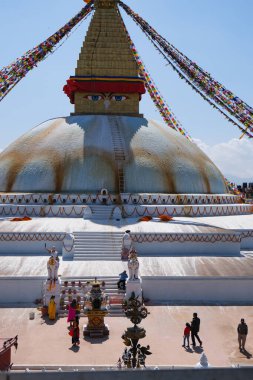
(76, 153)
(177, 225)
(149, 266)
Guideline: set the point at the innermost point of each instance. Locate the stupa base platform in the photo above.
(128, 211)
(215, 236)
(186, 280)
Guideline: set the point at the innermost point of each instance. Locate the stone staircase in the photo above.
(75, 289)
(119, 151)
(102, 212)
(97, 246)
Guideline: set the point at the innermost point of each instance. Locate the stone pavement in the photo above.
(42, 342)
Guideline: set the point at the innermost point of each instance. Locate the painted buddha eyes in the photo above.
(96, 98)
(118, 98)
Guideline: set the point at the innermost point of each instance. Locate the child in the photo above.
(75, 333)
(186, 336)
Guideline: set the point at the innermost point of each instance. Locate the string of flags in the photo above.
(13, 73)
(217, 94)
(163, 108)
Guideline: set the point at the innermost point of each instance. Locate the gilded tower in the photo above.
(106, 79)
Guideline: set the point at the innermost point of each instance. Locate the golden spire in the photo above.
(106, 79)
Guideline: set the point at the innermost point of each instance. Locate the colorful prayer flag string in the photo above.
(200, 80)
(12, 74)
(163, 108)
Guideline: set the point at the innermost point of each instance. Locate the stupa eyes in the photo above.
(118, 98)
(94, 98)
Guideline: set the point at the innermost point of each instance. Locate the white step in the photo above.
(97, 246)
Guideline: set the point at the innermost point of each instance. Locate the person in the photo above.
(75, 333)
(72, 312)
(122, 280)
(186, 336)
(52, 308)
(242, 330)
(103, 286)
(195, 326)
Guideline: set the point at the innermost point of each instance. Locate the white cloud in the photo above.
(234, 158)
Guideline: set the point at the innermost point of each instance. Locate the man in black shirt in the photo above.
(195, 325)
(242, 330)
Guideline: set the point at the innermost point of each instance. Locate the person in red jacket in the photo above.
(186, 336)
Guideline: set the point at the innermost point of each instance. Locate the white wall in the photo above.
(198, 289)
(188, 248)
(20, 289)
(28, 247)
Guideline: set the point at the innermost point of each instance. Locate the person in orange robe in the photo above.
(52, 308)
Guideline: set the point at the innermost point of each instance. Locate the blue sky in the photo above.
(217, 34)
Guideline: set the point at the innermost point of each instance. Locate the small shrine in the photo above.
(95, 308)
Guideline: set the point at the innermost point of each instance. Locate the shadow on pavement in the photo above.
(74, 348)
(96, 340)
(246, 353)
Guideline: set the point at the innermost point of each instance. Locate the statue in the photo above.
(127, 245)
(133, 266)
(52, 251)
(52, 268)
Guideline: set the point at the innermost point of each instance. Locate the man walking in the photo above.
(242, 330)
(195, 326)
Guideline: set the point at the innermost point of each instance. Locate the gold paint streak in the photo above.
(167, 174)
(18, 159)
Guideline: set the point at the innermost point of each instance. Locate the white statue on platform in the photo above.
(53, 252)
(127, 245)
(133, 266)
(52, 268)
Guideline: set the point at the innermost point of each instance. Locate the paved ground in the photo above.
(48, 343)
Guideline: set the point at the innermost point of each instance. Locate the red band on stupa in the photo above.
(115, 85)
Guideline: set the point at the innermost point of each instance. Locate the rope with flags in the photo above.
(200, 80)
(11, 75)
(163, 108)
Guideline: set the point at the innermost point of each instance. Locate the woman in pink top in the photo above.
(72, 313)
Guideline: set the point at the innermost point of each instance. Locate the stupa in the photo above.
(106, 143)
(86, 178)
